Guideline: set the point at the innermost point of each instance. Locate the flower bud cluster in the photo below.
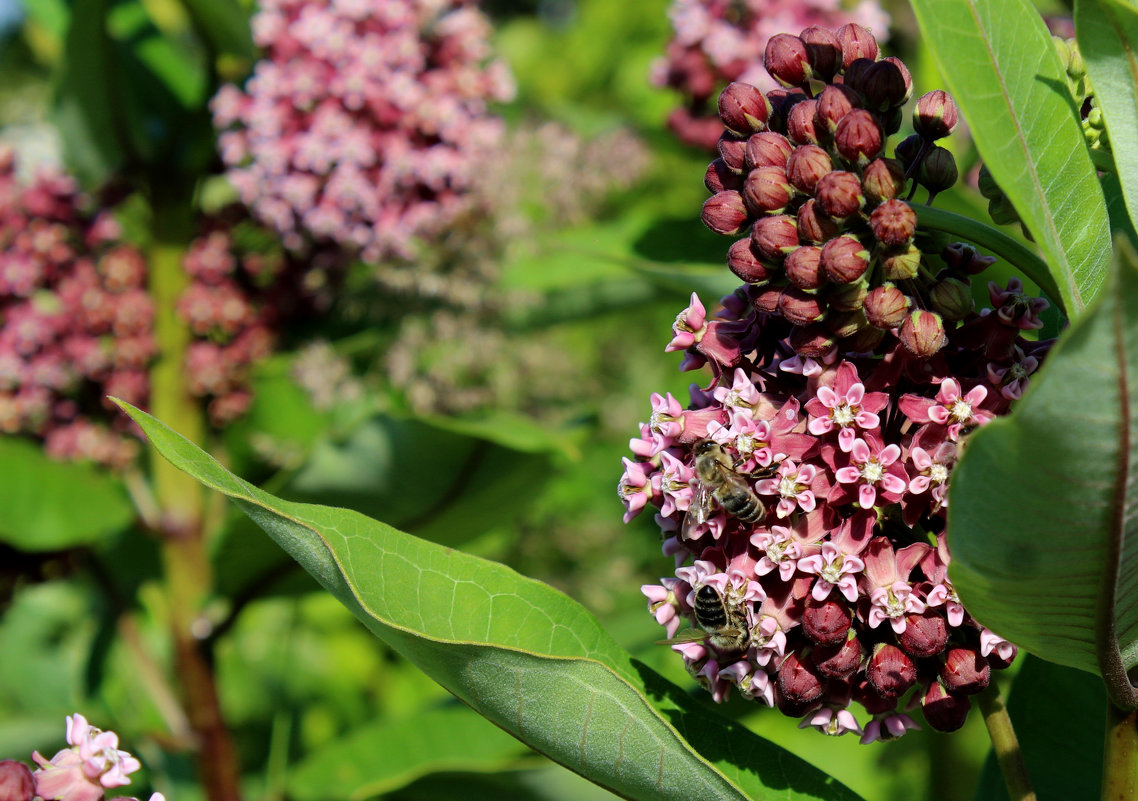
(365, 124)
(810, 493)
(829, 237)
(715, 43)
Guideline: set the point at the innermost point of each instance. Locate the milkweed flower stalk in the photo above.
(846, 433)
(716, 42)
(365, 123)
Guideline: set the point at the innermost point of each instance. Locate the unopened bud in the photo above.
(812, 341)
(774, 237)
(844, 259)
(943, 710)
(787, 60)
(800, 307)
(856, 73)
(938, 170)
(922, 333)
(965, 671)
(814, 225)
(767, 149)
(800, 123)
(873, 701)
(838, 660)
(883, 179)
(835, 102)
(798, 680)
(902, 266)
(745, 263)
(782, 101)
(839, 194)
(743, 109)
(885, 85)
(936, 115)
(908, 149)
(952, 298)
(890, 120)
(765, 300)
(924, 635)
(824, 50)
(893, 223)
(848, 297)
(767, 191)
(719, 177)
(890, 670)
(864, 341)
(16, 781)
(803, 267)
(846, 324)
(725, 212)
(806, 166)
(856, 42)
(733, 151)
(886, 306)
(859, 137)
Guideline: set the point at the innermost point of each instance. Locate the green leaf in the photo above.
(49, 505)
(1041, 522)
(997, 58)
(225, 24)
(531, 660)
(1064, 761)
(385, 755)
(1107, 33)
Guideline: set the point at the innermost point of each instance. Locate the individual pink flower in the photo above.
(991, 642)
(873, 468)
(667, 416)
(742, 395)
(1014, 308)
(675, 484)
(793, 486)
(635, 487)
(751, 683)
(833, 722)
(1012, 379)
(780, 550)
(957, 411)
(689, 326)
(664, 603)
(940, 591)
(833, 569)
(84, 771)
(845, 406)
(888, 726)
(932, 470)
(886, 582)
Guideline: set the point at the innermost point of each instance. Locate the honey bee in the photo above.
(718, 481)
(722, 625)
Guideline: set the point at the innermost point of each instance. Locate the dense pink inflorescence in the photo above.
(844, 416)
(365, 123)
(716, 42)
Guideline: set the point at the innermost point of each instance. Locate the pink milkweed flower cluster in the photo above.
(365, 123)
(716, 42)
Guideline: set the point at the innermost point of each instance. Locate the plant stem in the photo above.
(1120, 755)
(181, 500)
(1005, 744)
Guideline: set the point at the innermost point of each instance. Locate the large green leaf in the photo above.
(225, 23)
(1041, 522)
(50, 505)
(1107, 32)
(531, 660)
(997, 58)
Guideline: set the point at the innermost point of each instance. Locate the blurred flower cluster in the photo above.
(803, 493)
(366, 122)
(92, 765)
(720, 41)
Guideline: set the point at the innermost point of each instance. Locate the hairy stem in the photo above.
(1120, 755)
(1005, 744)
(181, 502)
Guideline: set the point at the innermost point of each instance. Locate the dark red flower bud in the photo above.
(16, 781)
(901, 266)
(800, 307)
(719, 177)
(787, 60)
(963, 258)
(836, 101)
(767, 191)
(890, 670)
(824, 50)
(886, 306)
(744, 262)
(890, 120)
(936, 115)
(884, 85)
(774, 237)
(812, 341)
(803, 267)
(782, 101)
(839, 660)
(924, 635)
(847, 297)
(846, 324)
(864, 341)
(798, 680)
(827, 622)
(922, 333)
(733, 151)
(938, 170)
(952, 298)
(856, 74)
(965, 671)
(943, 710)
(725, 213)
(856, 42)
(767, 149)
(766, 299)
(859, 137)
(874, 702)
(908, 149)
(800, 123)
(814, 225)
(893, 223)
(806, 166)
(844, 259)
(743, 109)
(998, 662)
(883, 179)
(839, 194)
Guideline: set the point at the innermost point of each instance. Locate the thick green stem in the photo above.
(1120, 755)
(181, 502)
(1005, 744)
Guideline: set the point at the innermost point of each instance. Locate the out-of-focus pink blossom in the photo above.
(85, 771)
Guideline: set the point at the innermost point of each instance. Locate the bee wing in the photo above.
(699, 510)
(687, 635)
